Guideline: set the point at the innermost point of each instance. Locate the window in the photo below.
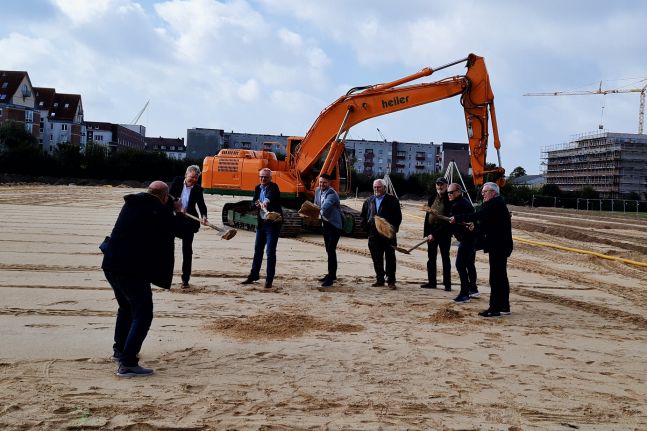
(3, 96)
(29, 116)
(55, 105)
(64, 127)
(41, 103)
(5, 84)
(67, 105)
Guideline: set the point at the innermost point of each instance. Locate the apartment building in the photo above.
(614, 164)
(114, 137)
(173, 147)
(17, 101)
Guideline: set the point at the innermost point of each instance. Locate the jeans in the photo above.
(465, 256)
(134, 315)
(382, 249)
(331, 237)
(187, 255)
(444, 244)
(267, 234)
(499, 285)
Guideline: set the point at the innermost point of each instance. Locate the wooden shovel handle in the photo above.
(213, 226)
(418, 245)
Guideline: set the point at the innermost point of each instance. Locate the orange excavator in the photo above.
(235, 171)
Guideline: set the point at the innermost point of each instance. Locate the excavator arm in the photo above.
(361, 103)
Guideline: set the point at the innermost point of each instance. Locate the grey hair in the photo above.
(381, 181)
(493, 186)
(195, 169)
(268, 170)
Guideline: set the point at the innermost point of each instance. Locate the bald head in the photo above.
(159, 189)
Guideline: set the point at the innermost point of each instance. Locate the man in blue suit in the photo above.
(327, 199)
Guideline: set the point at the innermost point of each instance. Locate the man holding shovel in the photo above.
(267, 199)
(327, 199)
(466, 252)
(188, 194)
(438, 236)
(138, 252)
(387, 209)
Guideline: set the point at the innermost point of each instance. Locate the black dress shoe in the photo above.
(326, 277)
(327, 282)
(428, 286)
(249, 280)
(377, 284)
(268, 285)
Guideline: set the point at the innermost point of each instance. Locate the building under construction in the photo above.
(614, 164)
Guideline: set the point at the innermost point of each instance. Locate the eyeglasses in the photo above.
(451, 192)
(484, 191)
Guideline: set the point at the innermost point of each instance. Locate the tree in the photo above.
(517, 172)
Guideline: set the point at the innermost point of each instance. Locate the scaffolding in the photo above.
(614, 164)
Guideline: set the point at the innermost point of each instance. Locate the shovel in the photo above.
(228, 233)
(409, 250)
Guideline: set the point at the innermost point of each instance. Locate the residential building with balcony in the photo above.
(17, 101)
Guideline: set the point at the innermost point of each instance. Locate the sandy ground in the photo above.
(227, 356)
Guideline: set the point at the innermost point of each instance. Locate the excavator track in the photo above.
(355, 230)
(241, 216)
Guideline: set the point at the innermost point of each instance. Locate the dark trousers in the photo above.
(267, 236)
(499, 285)
(465, 256)
(443, 242)
(331, 237)
(381, 250)
(187, 255)
(134, 315)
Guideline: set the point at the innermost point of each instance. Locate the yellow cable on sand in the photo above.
(561, 247)
(577, 250)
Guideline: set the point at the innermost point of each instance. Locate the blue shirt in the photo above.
(378, 202)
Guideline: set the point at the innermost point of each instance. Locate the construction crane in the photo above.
(380, 132)
(138, 116)
(641, 113)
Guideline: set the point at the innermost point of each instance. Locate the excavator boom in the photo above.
(363, 103)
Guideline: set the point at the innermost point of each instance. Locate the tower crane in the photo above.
(641, 113)
(139, 114)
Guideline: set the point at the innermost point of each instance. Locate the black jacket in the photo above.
(142, 241)
(434, 226)
(462, 206)
(493, 222)
(389, 210)
(273, 194)
(196, 197)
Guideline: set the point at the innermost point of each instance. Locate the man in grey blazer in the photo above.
(327, 199)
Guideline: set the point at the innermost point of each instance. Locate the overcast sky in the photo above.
(271, 66)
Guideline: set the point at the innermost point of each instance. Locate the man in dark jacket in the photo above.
(466, 252)
(495, 229)
(188, 194)
(439, 236)
(381, 248)
(139, 252)
(267, 199)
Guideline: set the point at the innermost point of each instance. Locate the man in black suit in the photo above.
(267, 198)
(439, 236)
(138, 253)
(387, 207)
(188, 193)
(494, 227)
